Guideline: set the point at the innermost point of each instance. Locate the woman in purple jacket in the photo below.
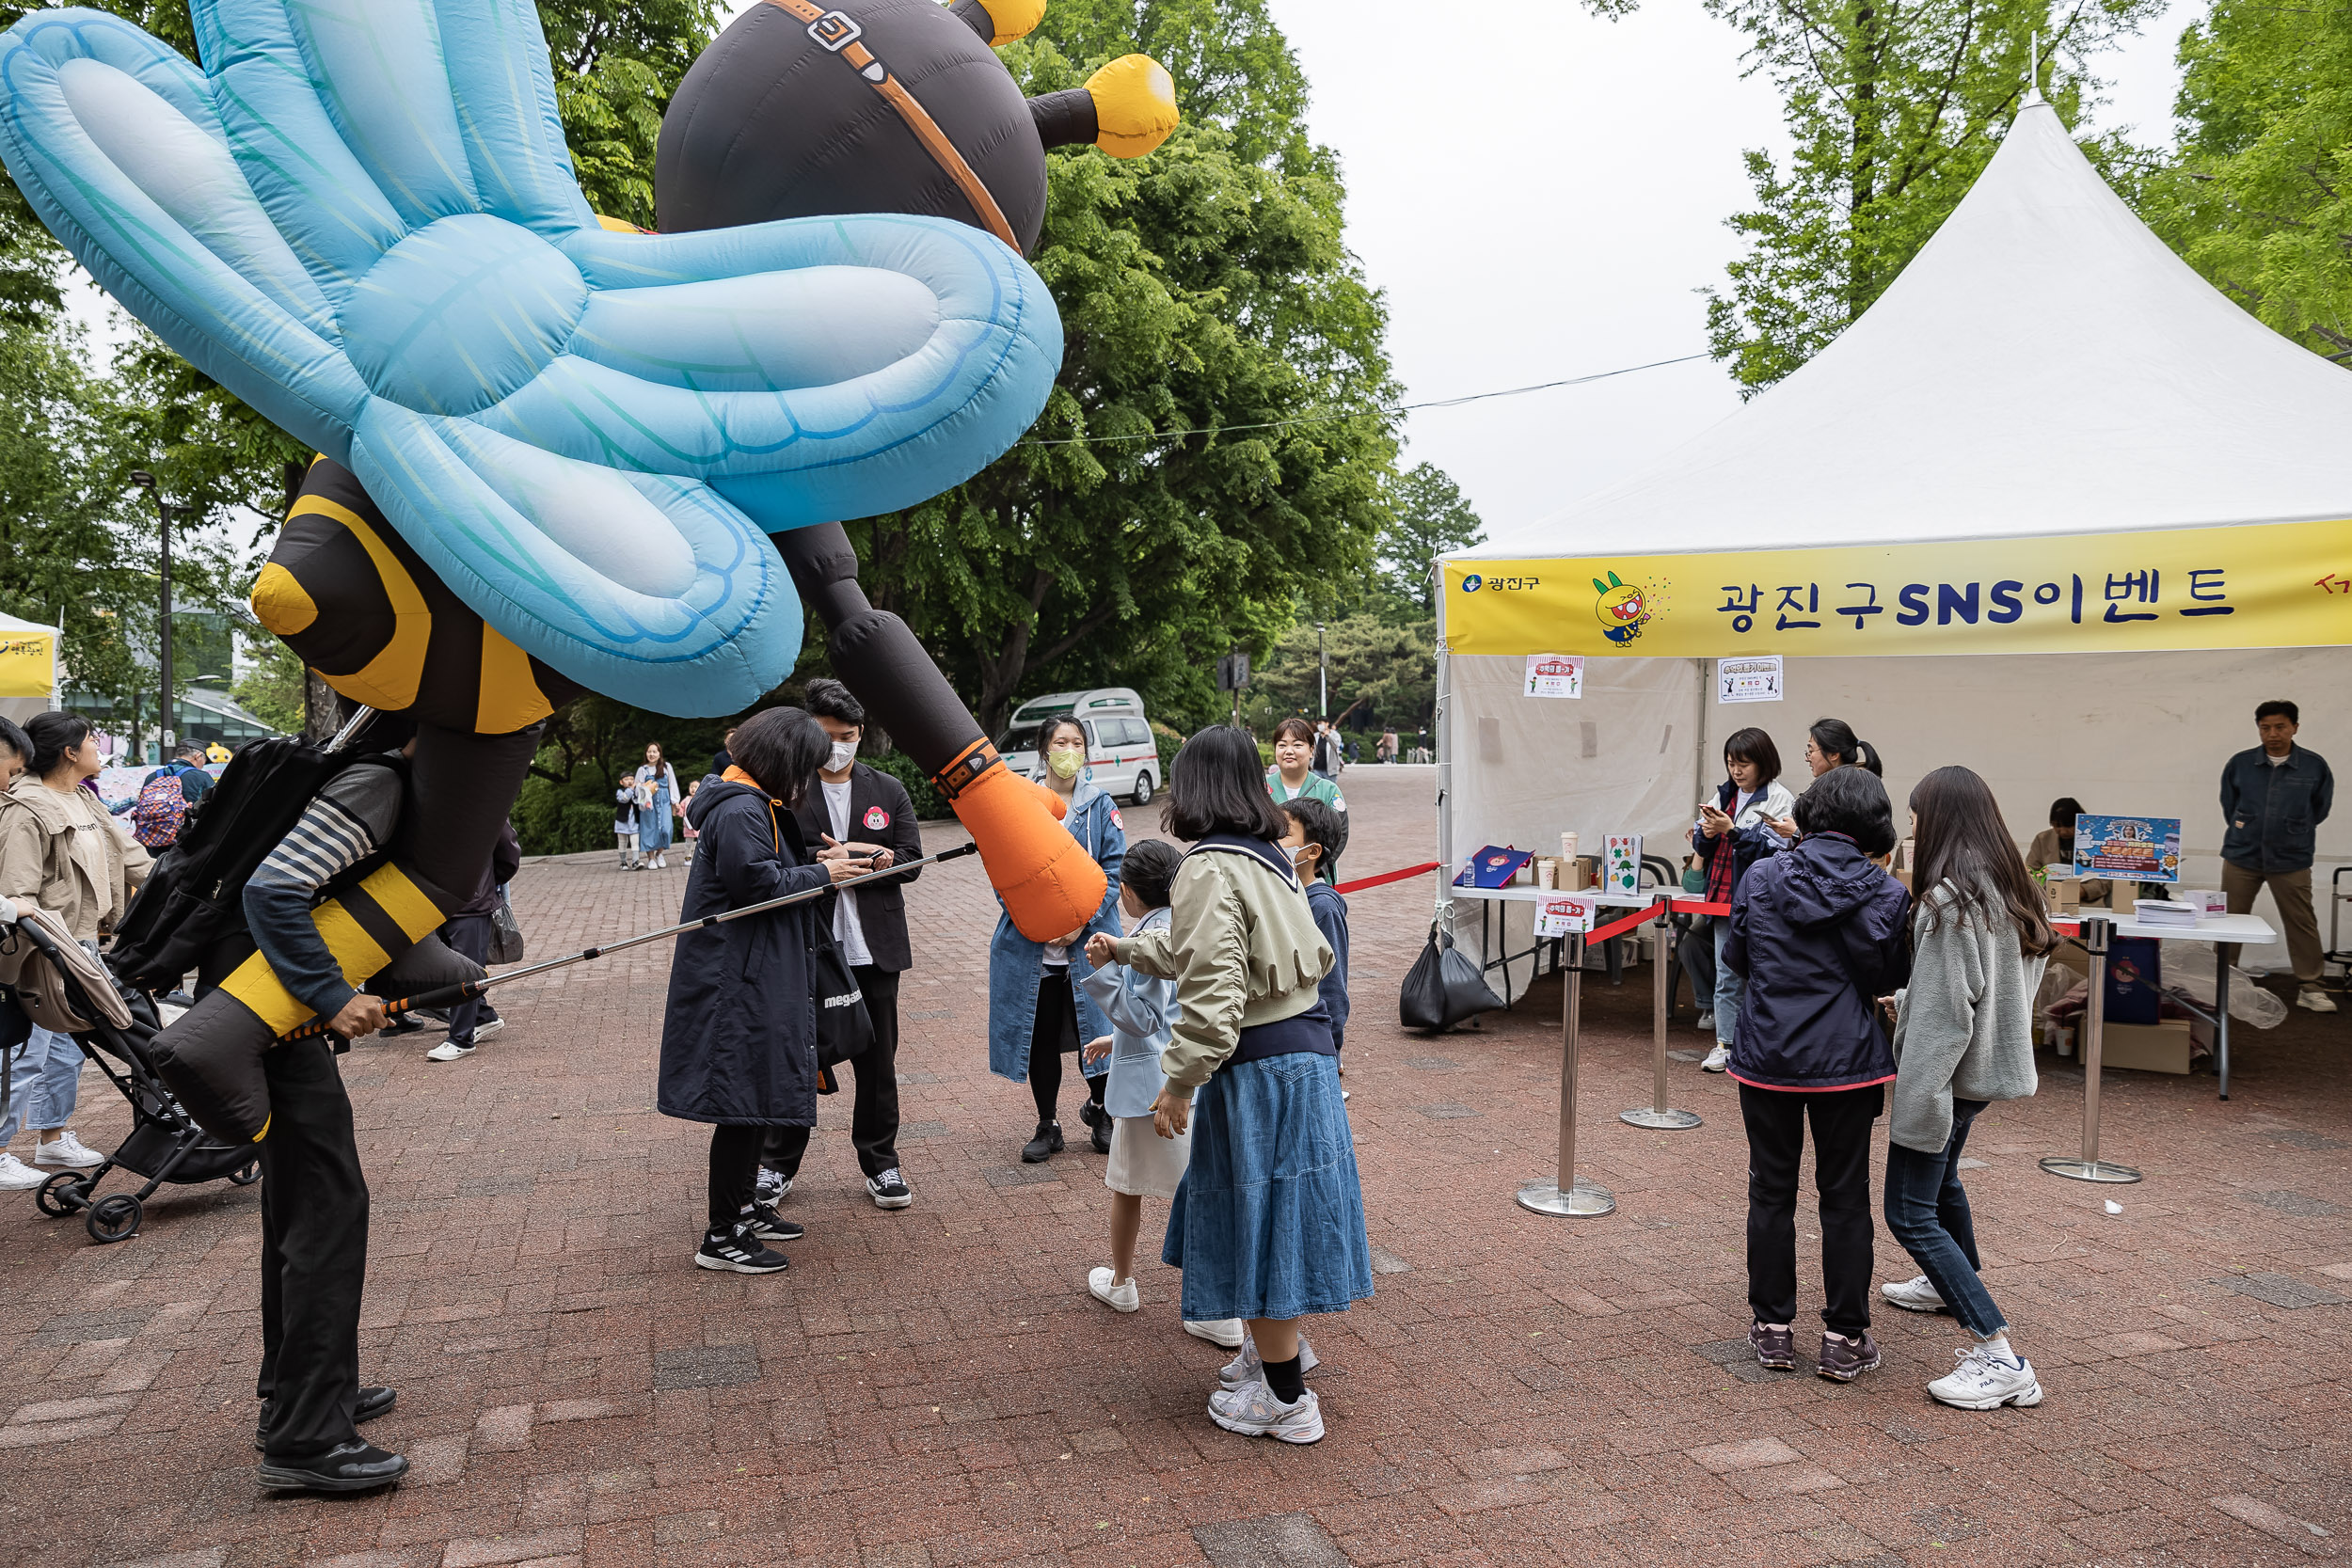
(1818, 934)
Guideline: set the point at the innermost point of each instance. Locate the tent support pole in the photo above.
(1568, 1196)
(1440, 738)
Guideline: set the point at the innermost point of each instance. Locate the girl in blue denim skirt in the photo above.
(1268, 1221)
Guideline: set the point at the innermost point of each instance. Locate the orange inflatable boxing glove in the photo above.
(1050, 885)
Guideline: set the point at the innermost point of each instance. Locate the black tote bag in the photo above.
(843, 1028)
(1444, 987)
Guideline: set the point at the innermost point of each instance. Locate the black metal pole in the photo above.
(164, 711)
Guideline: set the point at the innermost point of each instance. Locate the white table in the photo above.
(2092, 931)
(1483, 897)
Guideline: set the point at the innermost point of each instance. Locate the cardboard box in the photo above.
(1576, 876)
(1904, 877)
(2161, 1047)
(2207, 904)
(2065, 895)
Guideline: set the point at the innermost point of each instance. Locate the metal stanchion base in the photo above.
(1545, 1197)
(2088, 1170)
(1662, 1121)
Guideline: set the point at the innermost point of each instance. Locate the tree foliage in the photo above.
(1382, 671)
(1431, 517)
(1893, 109)
(2259, 196)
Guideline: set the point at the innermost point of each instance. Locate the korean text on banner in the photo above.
(2129, 848)
(2271, 585)
(1555, 675)
(1560, 917)
(28, 664)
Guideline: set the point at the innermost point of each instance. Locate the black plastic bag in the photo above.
(1444, 988)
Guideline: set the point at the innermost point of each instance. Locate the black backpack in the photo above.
(193, 897)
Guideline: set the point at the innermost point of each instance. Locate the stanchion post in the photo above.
(2097, 933)
(1568, 1196)
(1658, 1114)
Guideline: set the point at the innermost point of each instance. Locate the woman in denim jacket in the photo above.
(1036, 1013)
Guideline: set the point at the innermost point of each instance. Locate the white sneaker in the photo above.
(1254, 1412)
(66, 1149)
(16, 1176)
(1228, 1331)
(487, 1027)
(1717, 1059)
(1985, 1381)
(772, 1185)
(449, 1051)
(1246, 1369)
(1118, 1298)
(1707, 1022)
(2315, 1001)
(1913, 1295)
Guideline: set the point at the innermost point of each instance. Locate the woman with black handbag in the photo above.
(739, 1037)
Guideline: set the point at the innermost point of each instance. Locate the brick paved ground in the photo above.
(935, 1387)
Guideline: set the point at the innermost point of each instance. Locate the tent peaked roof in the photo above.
(2045, 365)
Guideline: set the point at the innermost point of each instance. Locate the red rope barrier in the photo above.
(1385, 876)
(1618, 927)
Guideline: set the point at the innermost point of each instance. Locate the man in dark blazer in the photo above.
(858, 811)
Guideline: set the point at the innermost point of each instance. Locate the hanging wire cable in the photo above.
(1364, 413)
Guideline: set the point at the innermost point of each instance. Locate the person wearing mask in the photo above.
(1964, 1038)
(738, 1032)
(469, 932)
(60, 849)
(1731, 836)
(1314, 834)
(1268, 1222)
(2054, 845)
(1818, 934)
(315, 1195)
(1037, 1013)
(657, 802)
(860, 813)
(2274, 798)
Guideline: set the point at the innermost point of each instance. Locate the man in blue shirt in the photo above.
(2274, 798)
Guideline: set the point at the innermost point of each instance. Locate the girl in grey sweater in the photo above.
(1964, 1038)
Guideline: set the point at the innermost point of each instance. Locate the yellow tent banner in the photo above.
(2272, 585)
(28, 660)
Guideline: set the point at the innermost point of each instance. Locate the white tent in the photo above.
(2047, 378)
(28, 668)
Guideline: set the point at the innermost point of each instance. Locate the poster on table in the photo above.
(1565, 916)
(2128, 849)
(1621, 864)
(1555, 675)
(1749, 680)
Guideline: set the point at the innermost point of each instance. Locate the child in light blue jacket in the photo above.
(1142, 1014)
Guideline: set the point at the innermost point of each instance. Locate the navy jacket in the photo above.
(738, 1039)
(1818, 933)
(1331, 912)
(2274, 813)
(882, 813)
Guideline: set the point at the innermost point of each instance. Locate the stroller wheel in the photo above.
(63, 1193)
(115, 1218)
(245, 1175)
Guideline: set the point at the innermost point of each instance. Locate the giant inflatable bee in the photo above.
(558, 453)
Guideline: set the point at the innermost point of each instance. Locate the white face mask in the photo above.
(844, 753)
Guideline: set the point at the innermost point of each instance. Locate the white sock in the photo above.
(1998, 1345)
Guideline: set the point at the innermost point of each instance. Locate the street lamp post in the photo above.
(1323, 677)
(164, 712)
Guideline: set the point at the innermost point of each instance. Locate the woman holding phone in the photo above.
(1734, 832)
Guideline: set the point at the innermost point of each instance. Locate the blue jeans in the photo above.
(43, 1084)
(1729, 987)
(1926, 1210)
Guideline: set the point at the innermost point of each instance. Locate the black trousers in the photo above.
(1053, 1036)
(734, 1171)
(1841, 1175)
(874, 1112)
(315, 1254)
(470, 934)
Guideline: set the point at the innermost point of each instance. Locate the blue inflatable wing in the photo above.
(361, 217)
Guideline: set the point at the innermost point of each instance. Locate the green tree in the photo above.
(1431, 517)
(1892, 110)
(2259, 196)
(271, 689)
(1382, 672)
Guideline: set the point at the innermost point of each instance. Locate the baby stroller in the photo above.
(164, 1145)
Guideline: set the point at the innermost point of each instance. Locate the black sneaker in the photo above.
(353, 1467)
(1101, 1135)
(768, 1225)
(889, 1190)
(1774, 1347)
(1843, 1359)
(1088, 1112)
(1044, 1146)
(737, 1250)
(374, 1400)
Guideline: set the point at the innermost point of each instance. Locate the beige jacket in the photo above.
(1241, 946)
(69, 855)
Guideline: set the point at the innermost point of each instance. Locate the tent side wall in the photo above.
(2119, 732)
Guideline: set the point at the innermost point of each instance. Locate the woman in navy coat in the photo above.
(739, 1038)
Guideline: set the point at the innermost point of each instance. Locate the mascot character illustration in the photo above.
(559, 454)
(1622, 609)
